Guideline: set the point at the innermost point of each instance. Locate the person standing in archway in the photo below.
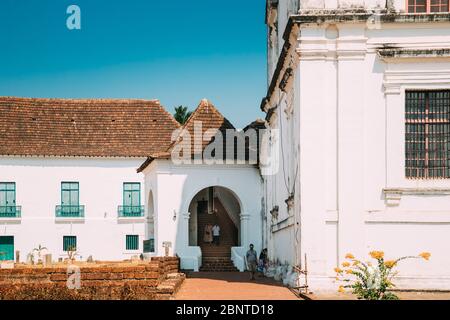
(216, 234)
(207, 236)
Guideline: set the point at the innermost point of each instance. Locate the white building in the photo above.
(96, 176)
(360, 91)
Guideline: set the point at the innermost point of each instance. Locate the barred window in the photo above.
(417, 6)
(427, 134)
(438, 6)
(428, 6)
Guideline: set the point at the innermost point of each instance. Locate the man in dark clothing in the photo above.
(252, 261)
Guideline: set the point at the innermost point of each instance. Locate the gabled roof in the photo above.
(213, 121)
(84, 127)
(210, 119)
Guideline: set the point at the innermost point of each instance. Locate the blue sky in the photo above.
(176, 51)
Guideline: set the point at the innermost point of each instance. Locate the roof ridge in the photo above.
(172, 118)
(204, 103)
(80, 100)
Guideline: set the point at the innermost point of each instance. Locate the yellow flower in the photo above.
(346, 264)
(341, 289)
(349, 256)
(349, 271)
(425, 255)
(338, 270)
(390, 264)
(356, 262)
(377, 254)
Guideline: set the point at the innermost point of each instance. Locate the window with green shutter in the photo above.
(8, 206)
(132, 242)
(131, 200)
(7, 194)
(69, 243)
(70, 193)
(132, 194)
(70, 201)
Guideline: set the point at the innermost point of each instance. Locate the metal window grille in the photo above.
(428, 6)
(132, 242)
(438, 5)
(69, 243)
(427, 135)
(417, 6)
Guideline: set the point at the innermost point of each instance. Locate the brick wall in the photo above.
(155, 279)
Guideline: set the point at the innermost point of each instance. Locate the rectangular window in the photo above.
(438, 5)
(132, 194)
(70, 193)
(132, 242)
(8, 206)
(428, 6)
(427, 135)
(69, 243)
(70, 196)
(131, 200)
(7, 194)
(417, 6)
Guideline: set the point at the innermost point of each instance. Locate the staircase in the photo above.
(217, 258)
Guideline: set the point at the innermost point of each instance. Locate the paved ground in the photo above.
(231, 286)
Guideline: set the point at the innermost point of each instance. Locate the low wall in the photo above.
(149, 280)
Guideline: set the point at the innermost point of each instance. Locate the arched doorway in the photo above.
(211, 206)
(149, 242)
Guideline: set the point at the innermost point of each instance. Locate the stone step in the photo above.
(219, 270)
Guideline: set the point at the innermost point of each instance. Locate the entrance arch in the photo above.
(210, 206)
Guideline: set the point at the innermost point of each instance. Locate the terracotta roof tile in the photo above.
(84, 127)
(210, 119)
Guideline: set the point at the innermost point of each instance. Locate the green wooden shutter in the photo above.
(7, 199)
(131, 198)
(70, 198)
(6, 248)
(69, 242)
(132, 242)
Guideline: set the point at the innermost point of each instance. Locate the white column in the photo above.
(245, 217)
(351, 102)
(184, 228)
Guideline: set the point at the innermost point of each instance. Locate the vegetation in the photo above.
(39, 251)
(72, 253)
(182, 114)
(371, 282)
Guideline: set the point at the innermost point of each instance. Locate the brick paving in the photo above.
(231, 286)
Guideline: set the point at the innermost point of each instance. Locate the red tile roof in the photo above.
(211, 119)
(84, 127)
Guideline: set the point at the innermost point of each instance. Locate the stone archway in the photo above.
(210, 206)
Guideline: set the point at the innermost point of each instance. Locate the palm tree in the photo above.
(182, 114)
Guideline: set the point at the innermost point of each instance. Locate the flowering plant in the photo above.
(371, 282)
